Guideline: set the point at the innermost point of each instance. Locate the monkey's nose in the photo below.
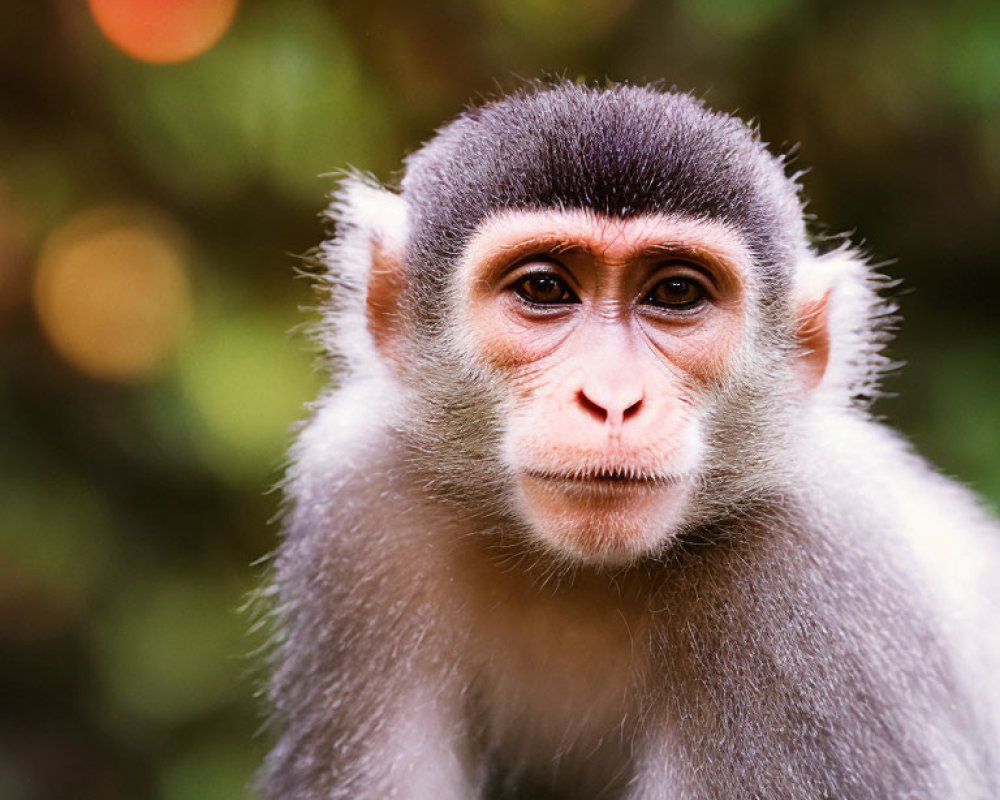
(612, 405)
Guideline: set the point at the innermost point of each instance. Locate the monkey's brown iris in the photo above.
(544, 288)
(677, 292)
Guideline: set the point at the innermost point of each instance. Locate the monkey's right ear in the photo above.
(366, 273)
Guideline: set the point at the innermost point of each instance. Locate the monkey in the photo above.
(595, 504)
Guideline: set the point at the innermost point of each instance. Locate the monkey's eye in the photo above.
(676, 292)
(544, 289)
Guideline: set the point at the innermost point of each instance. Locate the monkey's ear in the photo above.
(842, 325)
(365, 273)
(812, 329)
(385, 288)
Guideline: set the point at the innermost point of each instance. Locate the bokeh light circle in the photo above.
(112, 293)
(163, 31)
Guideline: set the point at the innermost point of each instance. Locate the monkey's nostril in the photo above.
(632, 410)
(598, 412)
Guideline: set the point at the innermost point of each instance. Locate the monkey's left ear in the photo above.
(812, 321)
(365, 273)
(842, 325)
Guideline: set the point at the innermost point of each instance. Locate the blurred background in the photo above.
(160, 165)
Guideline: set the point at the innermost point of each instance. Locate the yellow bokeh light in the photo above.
(163, 31)
(112, 292)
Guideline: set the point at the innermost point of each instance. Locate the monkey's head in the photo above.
(600, 313)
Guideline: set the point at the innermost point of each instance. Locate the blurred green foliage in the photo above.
(132, 509)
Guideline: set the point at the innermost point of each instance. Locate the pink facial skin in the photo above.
(607, 332)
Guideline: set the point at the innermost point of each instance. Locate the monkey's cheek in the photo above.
(595, 523)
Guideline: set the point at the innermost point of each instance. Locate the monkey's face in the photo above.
(610, 337)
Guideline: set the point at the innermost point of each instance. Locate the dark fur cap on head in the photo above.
(621, 151)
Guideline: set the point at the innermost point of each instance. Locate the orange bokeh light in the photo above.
(112, 292)
(163, 31)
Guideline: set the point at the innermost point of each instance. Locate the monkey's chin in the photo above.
(602, 522)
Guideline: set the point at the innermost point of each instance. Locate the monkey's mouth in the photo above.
(608, 478)
(602, 513)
